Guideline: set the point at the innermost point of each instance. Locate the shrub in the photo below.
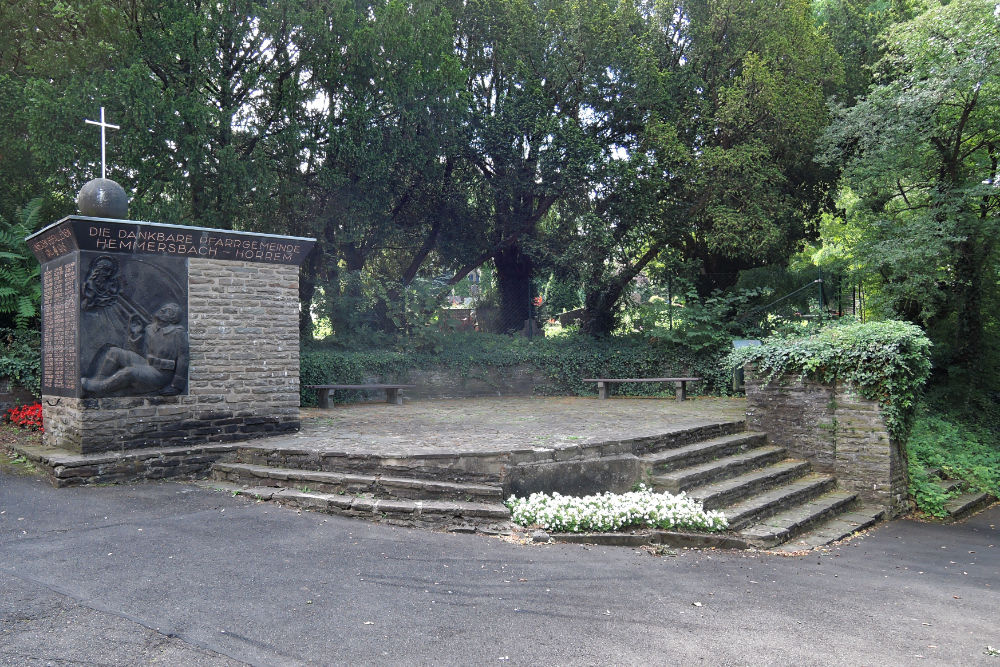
(20, 286)
(20, 358)
(886, 361)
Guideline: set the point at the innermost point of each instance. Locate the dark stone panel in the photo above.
(60, 327)
(574, 478)
(133, 325)
(145, 238)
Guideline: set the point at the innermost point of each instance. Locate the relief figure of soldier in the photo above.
(153, 360)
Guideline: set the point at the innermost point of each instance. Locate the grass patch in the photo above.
(11, 461)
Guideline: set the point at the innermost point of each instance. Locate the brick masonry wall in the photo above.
(837, 430)
(243, 379)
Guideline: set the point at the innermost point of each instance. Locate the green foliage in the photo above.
(20, 286)
(853, 27)
(925, 490)
(714, 129)
(564, 360)
(20, 358)
(961, 450)
(886, 361)
(919, 203)
(702, 325)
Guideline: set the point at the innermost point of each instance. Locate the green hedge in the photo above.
(20, 358)
(564, 360)
(886, 361)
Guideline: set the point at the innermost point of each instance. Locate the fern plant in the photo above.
(20, 285)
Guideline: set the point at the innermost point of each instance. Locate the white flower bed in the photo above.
(608, 512)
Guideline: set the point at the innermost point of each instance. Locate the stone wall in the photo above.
(477, 381)
(243, 380)
(12, 395)
(840, 432)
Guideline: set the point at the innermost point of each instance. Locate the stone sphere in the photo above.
(103, 198)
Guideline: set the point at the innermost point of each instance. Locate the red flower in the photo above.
(26, 416)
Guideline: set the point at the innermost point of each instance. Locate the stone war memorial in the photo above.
(158, 335)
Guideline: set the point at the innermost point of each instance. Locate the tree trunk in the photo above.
(599, 317)
(307, 290)
(514, 273)
(969, 332)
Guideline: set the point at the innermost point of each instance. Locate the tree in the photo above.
(921, 189)
(49, 57)
(533, 69)
(716, 109)
(384, 176)
(853, 27)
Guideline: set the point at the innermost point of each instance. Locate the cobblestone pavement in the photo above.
(483, 425)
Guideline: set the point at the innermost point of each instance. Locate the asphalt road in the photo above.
(174, 574)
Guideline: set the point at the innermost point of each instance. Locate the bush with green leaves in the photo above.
(888, 362)
(20, 358)
(20, 286)
(563, 360)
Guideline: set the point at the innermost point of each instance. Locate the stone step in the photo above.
(949, 485)
(699, 452)
(729, 491)
(792, 522)
(776, 500)
(722, 468)
(380, 486)
(962, 506)
(460, 516)
(834, 529)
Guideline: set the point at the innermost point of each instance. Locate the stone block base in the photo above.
(91, 425)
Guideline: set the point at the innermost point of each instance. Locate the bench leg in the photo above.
(324, 398)
(393, 396)
(602, 390)
(680, 390)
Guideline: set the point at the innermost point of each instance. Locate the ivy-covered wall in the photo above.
(478, 364)
(843, 398)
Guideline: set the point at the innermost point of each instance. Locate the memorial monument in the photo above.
(156, 335)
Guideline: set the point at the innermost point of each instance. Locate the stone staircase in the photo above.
(372, 495)
(768, 498)
(966, 502)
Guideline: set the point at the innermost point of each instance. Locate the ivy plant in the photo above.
(888, 362)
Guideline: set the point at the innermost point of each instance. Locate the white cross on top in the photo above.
(103, 125)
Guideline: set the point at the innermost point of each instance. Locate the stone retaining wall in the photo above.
(12, 396)
(477, 381)
(243, 380)
(836, 429)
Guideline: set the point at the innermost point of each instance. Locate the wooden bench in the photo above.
(393, 392)
(604, 384)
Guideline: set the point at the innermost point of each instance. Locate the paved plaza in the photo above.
(481, 425)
